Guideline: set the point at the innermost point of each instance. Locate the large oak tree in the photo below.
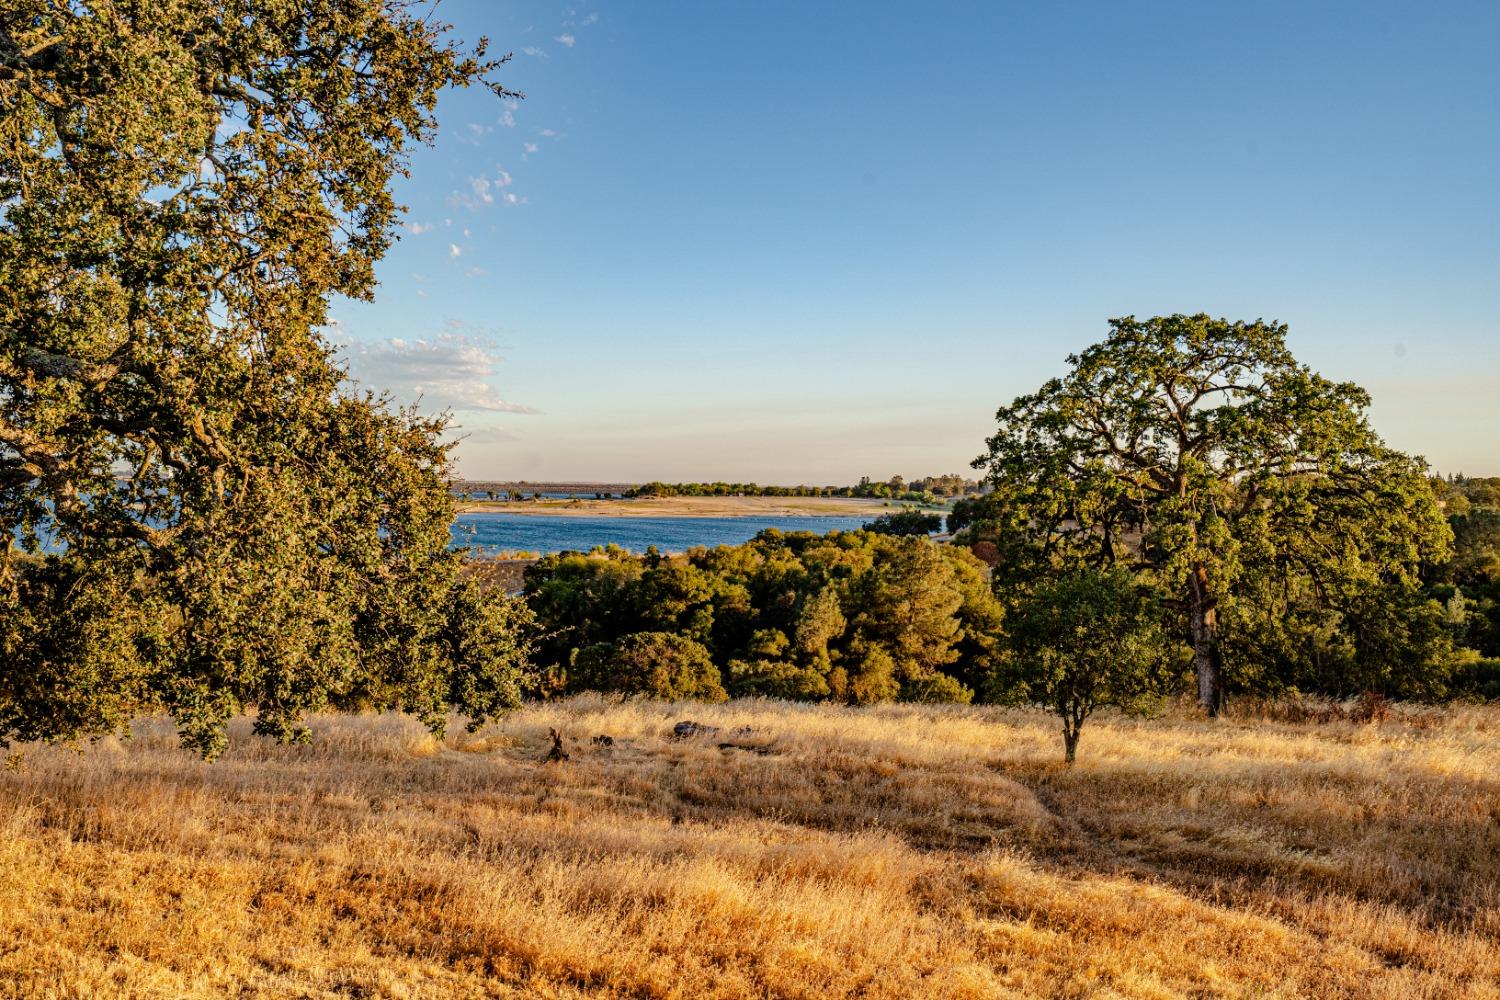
(1200, 453)
(197, 510)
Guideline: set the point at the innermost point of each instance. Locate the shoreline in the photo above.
(685, 507)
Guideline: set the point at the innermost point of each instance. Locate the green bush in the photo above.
(936, 689)
(1478, 679)
(906, 522)
(777, 679)
(657, 664)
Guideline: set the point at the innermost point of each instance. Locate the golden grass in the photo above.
(889, 852)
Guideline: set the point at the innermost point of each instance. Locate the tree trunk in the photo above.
(1072, 714)
(1070, 744)
(1205, 625)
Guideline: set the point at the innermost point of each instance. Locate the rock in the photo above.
(687, 730)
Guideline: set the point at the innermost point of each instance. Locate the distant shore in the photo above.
(685, 507)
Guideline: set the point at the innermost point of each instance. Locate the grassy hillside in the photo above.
(890, 852)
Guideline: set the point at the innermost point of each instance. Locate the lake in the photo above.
(498, 532)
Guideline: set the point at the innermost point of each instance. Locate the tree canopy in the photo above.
(197, 510)
(906, 522)
(850, 616)
(1081, 640)
(1249, 489)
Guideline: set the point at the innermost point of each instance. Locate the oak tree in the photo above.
(1200, 451)
(198, 511)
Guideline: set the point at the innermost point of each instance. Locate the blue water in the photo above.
(493, 533)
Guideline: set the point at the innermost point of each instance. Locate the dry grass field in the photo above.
(825, 853)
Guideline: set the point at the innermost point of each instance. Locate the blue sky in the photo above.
(805, 242)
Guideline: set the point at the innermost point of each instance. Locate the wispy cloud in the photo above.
(591, 19)
(534, 52)
(475, 131)
(454, 250)
(453, 370)
(417, 228)
(566, 39)
(484, 191)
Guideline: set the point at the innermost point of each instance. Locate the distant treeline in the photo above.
(877, 615)
(924, 490)
(856, 616)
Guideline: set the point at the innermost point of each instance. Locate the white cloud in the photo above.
(549, 133)
(534, 52)
(454, 250)
(591, 19)
(507, 118)
(484, 191)
(530, 147)
(448, 371)
(567, 40)
(418, 228)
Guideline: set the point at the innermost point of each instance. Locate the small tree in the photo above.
(1084, 640)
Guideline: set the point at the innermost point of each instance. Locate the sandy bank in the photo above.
(686, 507)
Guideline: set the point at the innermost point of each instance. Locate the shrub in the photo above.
(658, 664)
(777, 679)
(906, 522)
(936, 688)
(1478, 679)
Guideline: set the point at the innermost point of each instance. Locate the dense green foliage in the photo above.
(906, 522)
(658, 664)
(1248, 491)
(1083, 639)
(197, 511)
(855, 616)
(1469, 583)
